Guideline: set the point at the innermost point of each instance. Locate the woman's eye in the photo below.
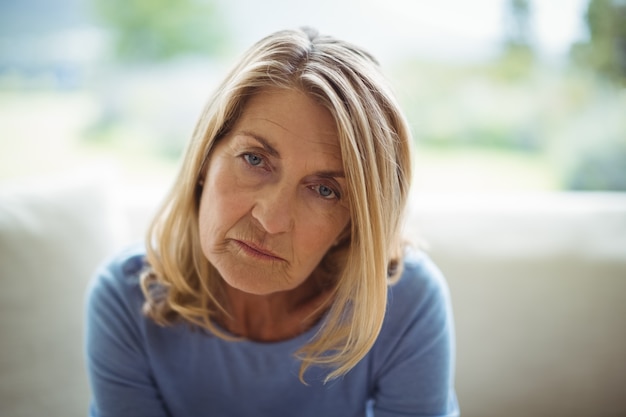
(253, 159)
(325, 192)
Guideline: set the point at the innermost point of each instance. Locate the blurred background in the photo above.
(502, 95)
(518, 109)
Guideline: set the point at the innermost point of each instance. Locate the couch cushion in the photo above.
(53, 234)
(538, 286)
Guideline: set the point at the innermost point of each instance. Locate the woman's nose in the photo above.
(274, 208)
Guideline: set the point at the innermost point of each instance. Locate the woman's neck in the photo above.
(275, 317)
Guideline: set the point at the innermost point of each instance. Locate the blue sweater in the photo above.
(137, 368)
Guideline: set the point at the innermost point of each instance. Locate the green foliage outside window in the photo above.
(606, 50)
(157, 30)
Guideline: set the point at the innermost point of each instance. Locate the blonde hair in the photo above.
(375, 149)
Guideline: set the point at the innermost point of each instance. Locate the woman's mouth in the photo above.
(256, 251)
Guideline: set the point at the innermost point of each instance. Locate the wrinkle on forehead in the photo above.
(330, 134)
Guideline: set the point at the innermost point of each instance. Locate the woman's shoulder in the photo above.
(420, 277)
(117, 280)
(420, 292)
(418, 315)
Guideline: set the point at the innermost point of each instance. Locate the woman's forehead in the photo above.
(273, 113)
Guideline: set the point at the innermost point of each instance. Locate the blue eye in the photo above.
(326, 192)
(252, 159)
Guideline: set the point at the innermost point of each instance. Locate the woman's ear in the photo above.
(199, 188)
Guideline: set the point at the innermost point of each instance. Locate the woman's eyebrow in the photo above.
(264, 142)
(331, 174)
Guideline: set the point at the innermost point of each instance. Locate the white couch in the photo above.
(538, 286)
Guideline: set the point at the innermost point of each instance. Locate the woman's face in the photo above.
(275, 197)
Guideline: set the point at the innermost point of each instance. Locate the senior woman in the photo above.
(274, 280)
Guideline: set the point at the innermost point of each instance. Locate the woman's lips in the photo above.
(256, 251)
